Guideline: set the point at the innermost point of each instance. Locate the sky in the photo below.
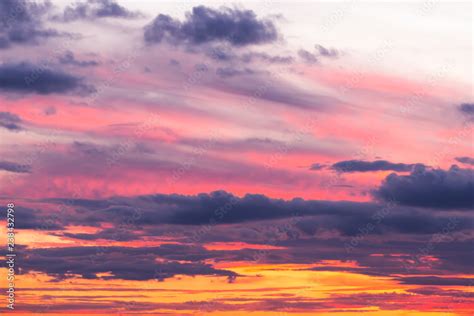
(238, 158)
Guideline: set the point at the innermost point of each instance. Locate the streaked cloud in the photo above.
(29, 78)
(10, 121)
(368, 166)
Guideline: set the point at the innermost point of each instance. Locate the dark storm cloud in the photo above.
(368, 166)
(206, 25)
(465, 160)
(428, 187)
(21, 22)
(68, 58)
(122, 262)
(14, 167)
(25, 77)
(95, 9)
(10, 121)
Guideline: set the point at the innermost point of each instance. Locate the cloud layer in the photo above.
(427, 187)
(368, 166)
(206, 25)
(10, 121)
(21, 23)
(96, 9)
(25, 78)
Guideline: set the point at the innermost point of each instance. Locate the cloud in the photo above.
(226, 72)
(327, 52)
(434, 280)
(216, 208)
(68, 59)
(20, 22)
(220, 53)
(465, 160)
(219, 206)
(428, 187)
(96, 9)
(467, 108)
(317, 166)
(436, 291)
(28, 218)
(270, 87)
(273, 59)
(10, 121)
(174, 62)
(307, 57)
(26, 77)
(225, 53)
(368, 166)
(205, 25)
(201, 67)
(121, 262)
(294, 226)
(264, 300)
(313, 58)
(14, 167)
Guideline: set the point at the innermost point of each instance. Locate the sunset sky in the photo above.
(238, 158)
